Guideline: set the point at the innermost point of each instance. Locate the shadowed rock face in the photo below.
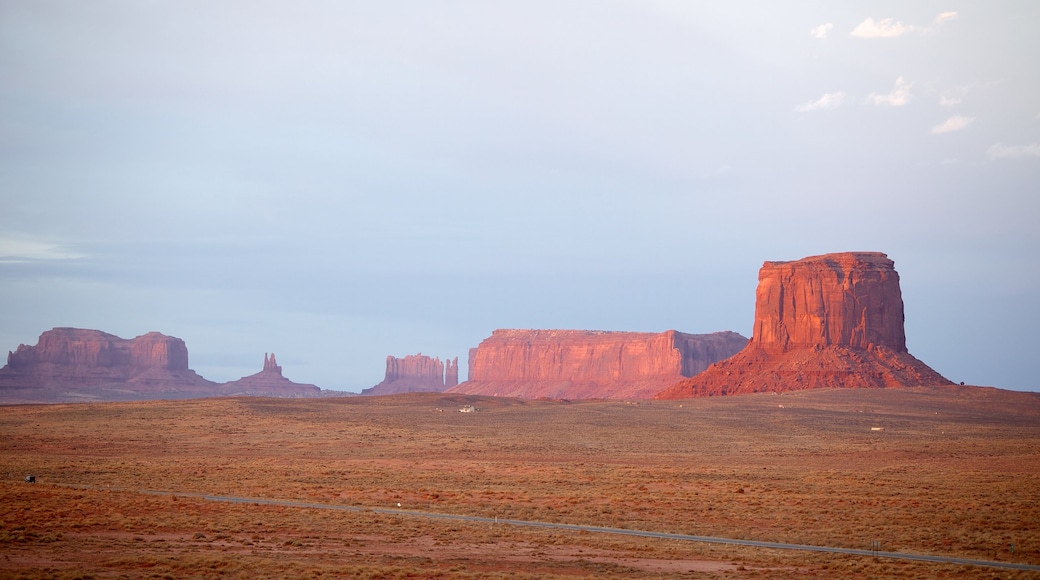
(416, 373)
(578, 364)
(269, 382)
(825, 321)
(73, 358)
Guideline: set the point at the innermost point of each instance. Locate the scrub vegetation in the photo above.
(952, 471)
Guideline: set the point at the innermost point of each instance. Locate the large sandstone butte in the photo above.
(69, 364)
(825, 321)
(582, 364)
(416, 373)
(269, 382)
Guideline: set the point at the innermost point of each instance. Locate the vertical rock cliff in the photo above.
(413, 373)
(577, 364)
(451, 373)
(825, 321)
(81, 364)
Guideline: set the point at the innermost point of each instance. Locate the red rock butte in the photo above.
(76, 361)
(416, 373)
(74, 364)
(583, 364)
(834, 320)
(269, 382)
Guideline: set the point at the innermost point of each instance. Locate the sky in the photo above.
(340, 181)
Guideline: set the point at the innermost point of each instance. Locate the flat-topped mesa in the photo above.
(92, 349)
(269, 382)
(414, 373)
(821, 322)
(584, 364)
(65, 361)
(850, 299)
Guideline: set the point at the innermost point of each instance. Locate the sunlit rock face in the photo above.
(581, 364)
(834, 320)
(416, 373)
(74, 359)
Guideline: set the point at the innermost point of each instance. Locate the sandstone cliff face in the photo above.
(415, 373)
(850, 299)
(825, 321)
(269, 382)
(577, 364)
(72, 360)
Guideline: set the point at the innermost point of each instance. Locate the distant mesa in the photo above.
(269, 382)
(584, 364)
(416, 373)
(74, 364)
(71, 364)
(827, 321)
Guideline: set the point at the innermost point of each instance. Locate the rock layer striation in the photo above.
(84, 363)
(416, 373)
(834, 320)
(581, 364)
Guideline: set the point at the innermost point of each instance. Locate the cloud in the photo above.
(954, 123)
(827, 101)
(14, 250)
(886, 28)
(891, 28)
(899, 96)
(1001, 151)
(821, 30)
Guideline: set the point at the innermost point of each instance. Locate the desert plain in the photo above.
(951, 471)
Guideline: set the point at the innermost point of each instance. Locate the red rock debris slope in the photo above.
(579, 364)
(825, 321)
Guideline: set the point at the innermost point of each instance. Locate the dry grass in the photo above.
(952, 472)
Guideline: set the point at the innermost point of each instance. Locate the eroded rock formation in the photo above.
(825, 321)
(269, 382)
(451, 373)
(415, 373)
(79, 364)
(580, 364)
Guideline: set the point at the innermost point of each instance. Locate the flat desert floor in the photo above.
(951, 472)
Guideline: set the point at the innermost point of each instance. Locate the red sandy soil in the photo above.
(952, 471)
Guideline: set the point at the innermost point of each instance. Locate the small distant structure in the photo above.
(468, 409)
(30, 479)
(877, 428)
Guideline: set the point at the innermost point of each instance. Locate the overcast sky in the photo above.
(339, 181)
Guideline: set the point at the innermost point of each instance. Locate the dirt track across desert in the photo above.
(408, 486)
(581, 528)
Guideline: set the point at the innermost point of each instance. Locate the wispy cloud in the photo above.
(15, 249)
(953, 97)
(954, 123)
(885, 28)
(827, 101)
(822, 30)
(892, 28)
(899, 96)
(1001, 151)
